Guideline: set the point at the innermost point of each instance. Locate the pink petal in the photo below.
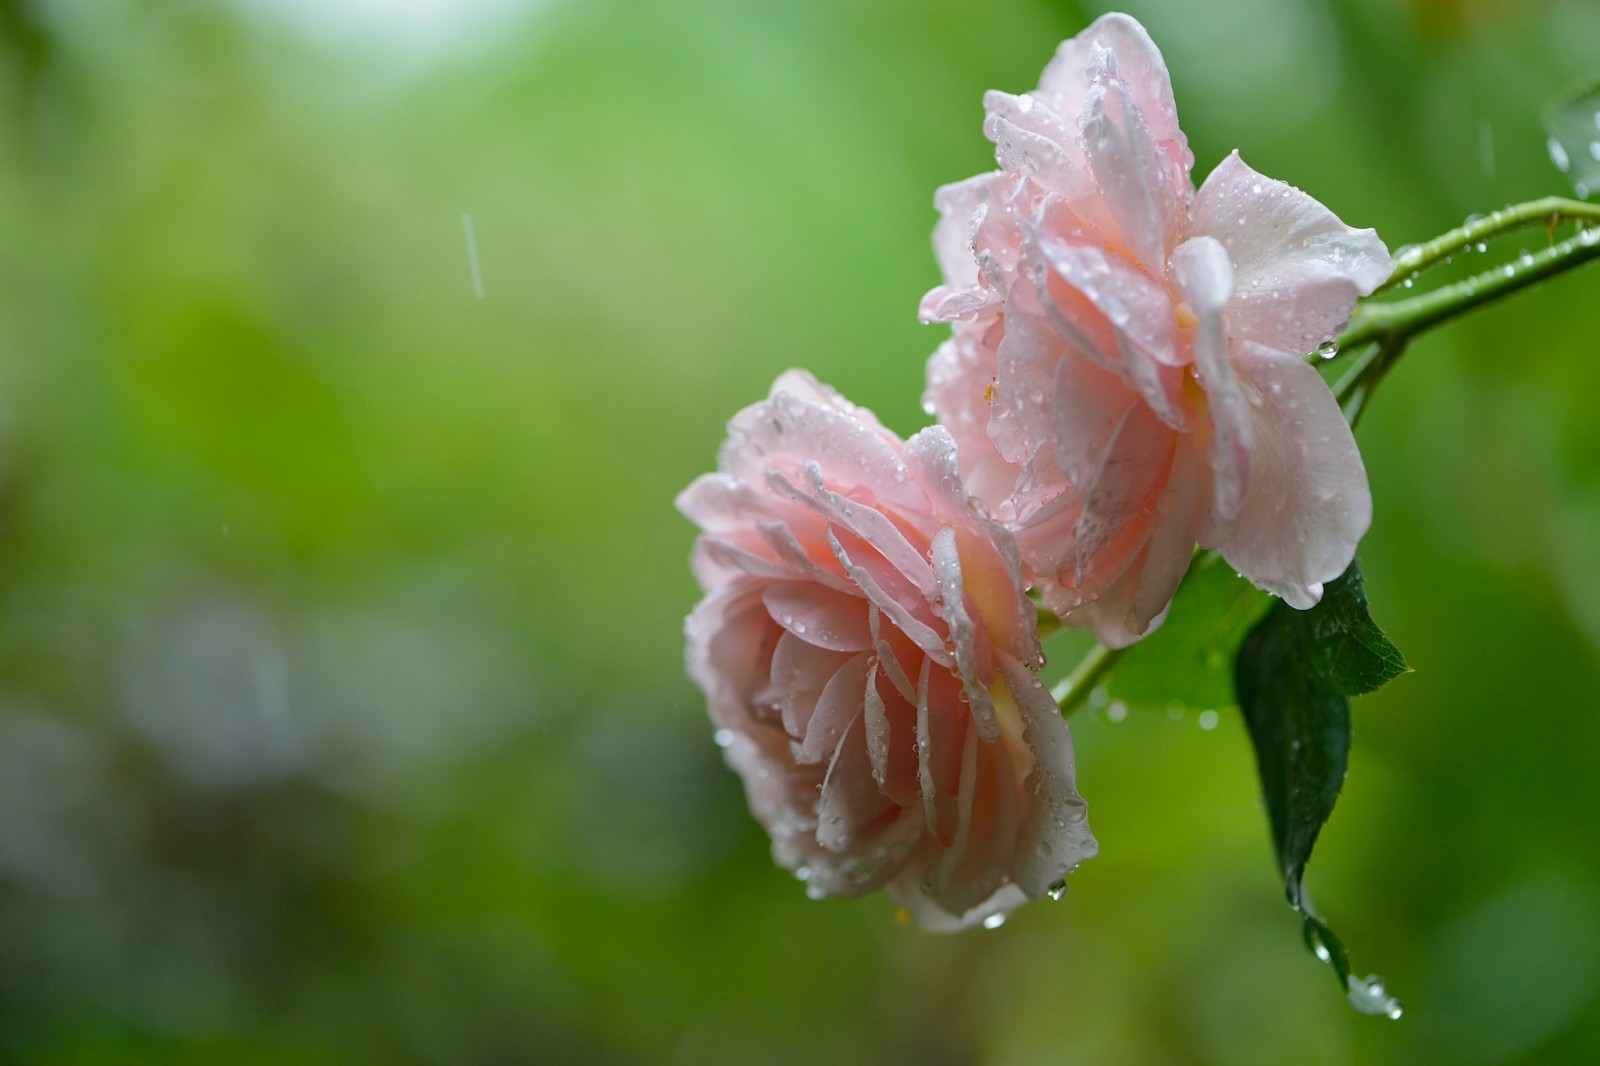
(1032, 140)
(963, 632)
(800, 671)
(907, 891)
(903, 609)
(719, 503)
(961, 381)
(957, 203)
(1308, 503)
(731, 643)
(1140, 314)
(836, 709)
(819, 615)
(991, 566)
(1065, 82)
(1055, 836)
(802, 422)
(989, 812)
(863, 520)
(1146, 195)
(1203, 274)
(1300, 269)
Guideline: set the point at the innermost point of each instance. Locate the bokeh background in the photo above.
(342, 716)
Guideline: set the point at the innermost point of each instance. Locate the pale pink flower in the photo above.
(867, 653)
(1127, 375)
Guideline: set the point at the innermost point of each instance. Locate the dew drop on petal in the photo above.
(1057, 890)
(722, 737)
(994, 921)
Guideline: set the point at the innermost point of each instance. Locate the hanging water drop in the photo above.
(1571, 123)
(1057, 890)
(722, 737)
(994, 921)
(1370, 997)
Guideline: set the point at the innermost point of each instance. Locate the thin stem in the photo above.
(1550, 211)
(1090, 671)
(1404, 319)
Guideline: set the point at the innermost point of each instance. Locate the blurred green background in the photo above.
(342, 716)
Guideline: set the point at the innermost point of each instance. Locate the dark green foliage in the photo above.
(1293, 676)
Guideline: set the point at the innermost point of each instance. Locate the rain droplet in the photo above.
(722, 737)
(1370, 997)
(994, 921)
(1117, 711)
(1057, 890)
(1571, 122)
(1208, 719)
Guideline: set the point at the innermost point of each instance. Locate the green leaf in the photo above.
(1293, 676)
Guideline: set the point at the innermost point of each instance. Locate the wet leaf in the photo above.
(1294, 675)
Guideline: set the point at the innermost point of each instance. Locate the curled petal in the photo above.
(1066, 80)
(1204, 275)
(1140, 315)
(1308, 503)
(1300, 270)
(1147, 197)
(1055, 837)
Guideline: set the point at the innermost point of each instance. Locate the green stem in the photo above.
(1404, 319)
(1090, 671)
(1550, 210)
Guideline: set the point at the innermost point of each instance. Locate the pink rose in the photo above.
(867, 653)
(1126, 378)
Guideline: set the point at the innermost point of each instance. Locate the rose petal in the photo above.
(1055, 836)
(1066, 80)
(783, 433)
(819, 615)
(1140, 314)
(1204, 275)
(1308, 503)
(1146, 196)
(1299, 269)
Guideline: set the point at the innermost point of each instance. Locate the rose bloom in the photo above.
(867, 654)
(1127, 377)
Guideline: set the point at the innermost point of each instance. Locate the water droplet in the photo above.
(1571, 123)
(1208, 719)
(1057, 890)
(1328, 349)
(1406, 284)
(1481, 246)
(994, 921)
(1370, 997)
(802, 873)
(1117, 711)
(722, 737)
